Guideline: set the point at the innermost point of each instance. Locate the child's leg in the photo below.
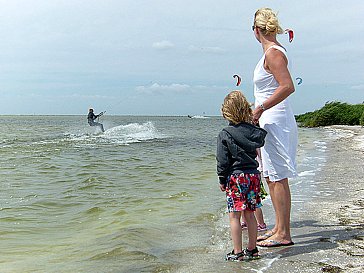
(235, 228)
(242, 218)
(252, 229)
(243, 222)
(259, 216)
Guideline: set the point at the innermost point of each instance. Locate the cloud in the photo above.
(359, 87)
(159, 88)
(211, 50)
(74, 96)
(162, 45)
(175, 88)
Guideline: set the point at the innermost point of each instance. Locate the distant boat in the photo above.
(197, 116)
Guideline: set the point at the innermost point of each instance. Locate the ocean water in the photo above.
(141, 197)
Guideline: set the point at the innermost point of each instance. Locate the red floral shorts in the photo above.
(243, 192)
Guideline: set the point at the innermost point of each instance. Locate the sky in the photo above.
(158, 57)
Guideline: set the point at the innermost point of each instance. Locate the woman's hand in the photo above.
(222, 187)
(257, 112)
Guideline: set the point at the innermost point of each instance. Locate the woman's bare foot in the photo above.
(265, 236)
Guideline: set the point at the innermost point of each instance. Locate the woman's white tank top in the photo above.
(265, 84)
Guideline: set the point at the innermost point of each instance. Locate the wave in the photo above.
(89, 136)
(122, 134)
(337, 132)
(340, 131)
(133, 132)
(320, 145)
(307, 173)
(360, 142)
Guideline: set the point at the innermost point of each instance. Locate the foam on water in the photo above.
(268, 263)
(360, 142)
(121, 134)
(339, 132)
(131, 133)
(307, 173)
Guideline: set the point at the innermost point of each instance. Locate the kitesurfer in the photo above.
(91, 119)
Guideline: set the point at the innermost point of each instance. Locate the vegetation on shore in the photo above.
(333, 113)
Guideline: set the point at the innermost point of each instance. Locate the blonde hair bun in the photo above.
(266, 19)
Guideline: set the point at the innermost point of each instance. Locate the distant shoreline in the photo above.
(111, 115)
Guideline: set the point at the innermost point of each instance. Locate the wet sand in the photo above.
(329, 235)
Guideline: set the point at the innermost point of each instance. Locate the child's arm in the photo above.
(223, 160)
(259, 159)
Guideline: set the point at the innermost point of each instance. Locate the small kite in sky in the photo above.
(238, 79)
(290, 34)
(299, 80)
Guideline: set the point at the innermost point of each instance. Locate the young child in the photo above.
(238, 173)
(261, 226)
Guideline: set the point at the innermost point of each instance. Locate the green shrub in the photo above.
(333, 113)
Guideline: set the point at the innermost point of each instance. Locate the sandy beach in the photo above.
(329, 235)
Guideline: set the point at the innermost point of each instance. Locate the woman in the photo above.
(272, 86)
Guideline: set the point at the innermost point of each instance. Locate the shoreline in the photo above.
(327, 221)
(329, 234)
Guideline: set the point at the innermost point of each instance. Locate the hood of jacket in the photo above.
(246, 135)
(237, 149)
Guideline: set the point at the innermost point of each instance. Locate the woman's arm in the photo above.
(276, 63)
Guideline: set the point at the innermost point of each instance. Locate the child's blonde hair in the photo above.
(236, 108)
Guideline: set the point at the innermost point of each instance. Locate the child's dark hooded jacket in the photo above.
(236, 149)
